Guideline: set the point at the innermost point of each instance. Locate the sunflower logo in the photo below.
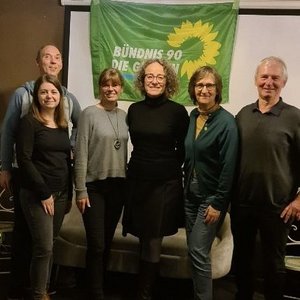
(200, 40)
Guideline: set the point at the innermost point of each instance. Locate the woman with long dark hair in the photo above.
(43, 154)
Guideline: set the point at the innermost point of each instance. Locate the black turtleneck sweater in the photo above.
(157, 130)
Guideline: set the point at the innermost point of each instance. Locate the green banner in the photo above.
(123, 34)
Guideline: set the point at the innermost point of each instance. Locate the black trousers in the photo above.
(246, 224)
(100, 220)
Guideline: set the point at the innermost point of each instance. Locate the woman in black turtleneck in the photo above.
(157, 129)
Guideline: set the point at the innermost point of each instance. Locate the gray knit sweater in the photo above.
(95, 155)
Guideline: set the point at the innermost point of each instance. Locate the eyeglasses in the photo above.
(209, 86)
(159, 78)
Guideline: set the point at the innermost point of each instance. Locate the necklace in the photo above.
(117, 143)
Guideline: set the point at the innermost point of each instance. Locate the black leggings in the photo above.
(150, 249)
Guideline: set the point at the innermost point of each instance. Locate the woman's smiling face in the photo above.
(205, 92)
(155, 80)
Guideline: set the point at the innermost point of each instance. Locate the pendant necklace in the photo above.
(117, 143)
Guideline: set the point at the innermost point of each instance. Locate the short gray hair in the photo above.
(277, 60)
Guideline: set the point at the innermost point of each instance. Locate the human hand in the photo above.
(211, 215)
(48, 206)
(82, 204)
(5, 180)
(296, 206)
(291, 212)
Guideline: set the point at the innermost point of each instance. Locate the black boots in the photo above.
(147, 277)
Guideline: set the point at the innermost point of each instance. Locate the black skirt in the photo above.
(153, 208)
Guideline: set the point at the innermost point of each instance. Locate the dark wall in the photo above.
(25, 25)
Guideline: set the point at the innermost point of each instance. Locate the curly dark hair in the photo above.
(171, 77)
(201, 73)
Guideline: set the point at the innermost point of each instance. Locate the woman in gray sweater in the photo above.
(100, 165)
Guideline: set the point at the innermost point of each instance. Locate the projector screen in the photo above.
(257, 36)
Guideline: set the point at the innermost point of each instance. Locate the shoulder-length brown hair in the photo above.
(199, 74)
(171, 77)
(59, 113)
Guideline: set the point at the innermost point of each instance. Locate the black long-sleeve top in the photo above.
(43, 156)
(157, 130)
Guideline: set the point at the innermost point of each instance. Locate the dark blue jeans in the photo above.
(246, 224)
(100, 221)
(44, 230)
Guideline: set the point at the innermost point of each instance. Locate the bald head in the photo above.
(49, 60)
